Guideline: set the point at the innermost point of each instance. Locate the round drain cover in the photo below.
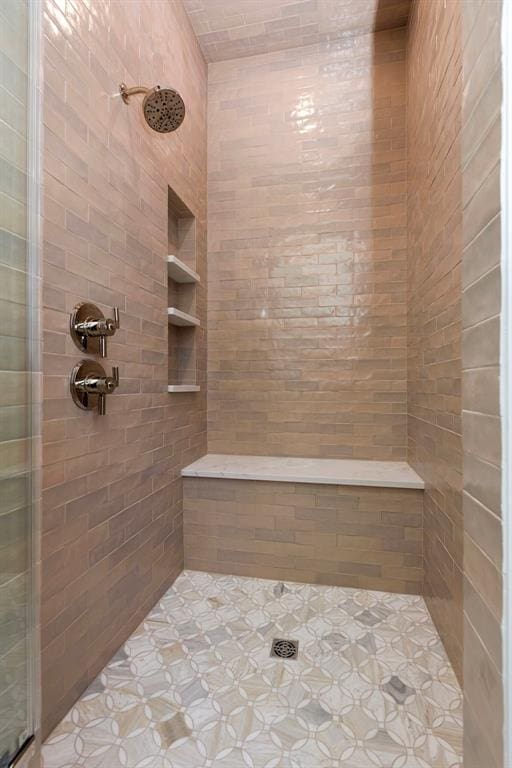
(285, 649)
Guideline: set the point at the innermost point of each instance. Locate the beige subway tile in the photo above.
(106, 242)
(480, 390)
(329, 546)
(483, 575)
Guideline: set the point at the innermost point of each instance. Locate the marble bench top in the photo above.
(386, 474)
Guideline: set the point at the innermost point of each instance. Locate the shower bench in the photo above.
(326, 521)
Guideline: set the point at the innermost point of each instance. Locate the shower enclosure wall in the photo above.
(112, 538)
(19, 344)
(346, 183)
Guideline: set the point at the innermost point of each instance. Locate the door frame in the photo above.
(34, 359)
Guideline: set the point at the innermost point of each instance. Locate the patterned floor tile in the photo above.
(195, 685)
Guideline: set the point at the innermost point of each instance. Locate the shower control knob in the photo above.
(90, 385)
(90, 328)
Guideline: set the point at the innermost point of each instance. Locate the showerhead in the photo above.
(164, 109)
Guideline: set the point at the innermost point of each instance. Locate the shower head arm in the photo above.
(127, 92)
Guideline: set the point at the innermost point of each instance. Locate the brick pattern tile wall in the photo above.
(307, 251)
(434, 301)
(112, 518)
(323, 534)
(481, 146)
(228, 29)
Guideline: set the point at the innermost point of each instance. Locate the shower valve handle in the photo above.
(89, 322)
(107, 386)
(90, 385)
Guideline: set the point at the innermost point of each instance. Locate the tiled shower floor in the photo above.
(195, 686)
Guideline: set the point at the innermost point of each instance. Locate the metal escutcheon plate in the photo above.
(83, 370)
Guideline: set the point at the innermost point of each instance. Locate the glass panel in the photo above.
(15, 386)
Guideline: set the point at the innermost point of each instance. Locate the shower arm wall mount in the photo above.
(127, 92)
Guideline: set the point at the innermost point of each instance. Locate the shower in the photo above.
(164, 109)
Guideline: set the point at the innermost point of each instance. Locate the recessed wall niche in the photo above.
(182, 280)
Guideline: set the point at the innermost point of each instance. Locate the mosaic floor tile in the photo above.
(195, 685)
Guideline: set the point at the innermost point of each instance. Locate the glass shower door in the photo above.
(18, 365)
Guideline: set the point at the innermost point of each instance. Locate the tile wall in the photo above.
(434, 75)
(229, 29)
(347, 536)
(481, 146)
(307, 251)
(309, 236)
(112, 518)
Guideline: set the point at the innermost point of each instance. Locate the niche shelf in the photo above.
(178, 271)
(177, 317)
(182, 281)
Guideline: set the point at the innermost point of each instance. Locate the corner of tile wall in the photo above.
(434, 71)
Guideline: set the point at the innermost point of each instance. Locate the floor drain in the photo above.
(284, 649)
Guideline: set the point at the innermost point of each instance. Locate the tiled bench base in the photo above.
(343, 535)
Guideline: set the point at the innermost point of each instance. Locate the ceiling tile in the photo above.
(229, 29)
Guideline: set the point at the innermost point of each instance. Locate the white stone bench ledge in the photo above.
(284, 469)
